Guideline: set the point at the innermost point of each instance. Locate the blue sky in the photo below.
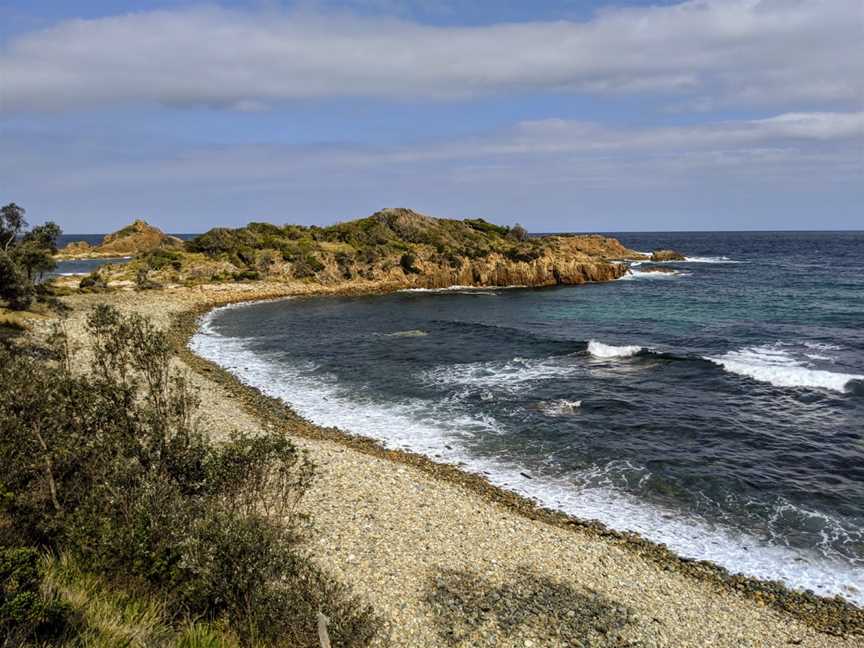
(561, 115)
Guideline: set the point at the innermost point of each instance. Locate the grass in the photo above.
(108, 616)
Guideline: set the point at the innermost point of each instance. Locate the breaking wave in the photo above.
(775, 365)
(600, 350)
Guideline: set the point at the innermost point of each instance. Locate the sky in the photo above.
(562, 115)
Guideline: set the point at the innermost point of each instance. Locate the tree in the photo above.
(15, 289)
(12, 223)
(35, 252)
(518, 233)
(24, 256)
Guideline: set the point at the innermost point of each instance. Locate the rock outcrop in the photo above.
(667, 255)
(137, 238)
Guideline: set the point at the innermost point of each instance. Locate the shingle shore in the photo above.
(450, 560)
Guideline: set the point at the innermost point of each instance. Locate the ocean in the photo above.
(718, 410)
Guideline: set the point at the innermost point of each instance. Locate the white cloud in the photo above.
(705, 52)
(813, 147)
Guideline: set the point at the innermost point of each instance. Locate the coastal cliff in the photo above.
(397, 248)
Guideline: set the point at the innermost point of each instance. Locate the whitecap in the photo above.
(600, 350)
(638, 274)
(709, 259)
(508, 375)
(461, 290)
(561, 407)
(775, 365)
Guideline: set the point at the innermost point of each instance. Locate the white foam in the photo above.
(775, 365)
(711, 259)
(600, 350)
(560, 407)
(462, 290)
(639, 274)
(507, 376)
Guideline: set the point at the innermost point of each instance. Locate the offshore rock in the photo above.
(667, 255)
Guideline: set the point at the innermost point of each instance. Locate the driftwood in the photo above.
(323, 637)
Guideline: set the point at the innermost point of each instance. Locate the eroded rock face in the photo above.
(137, 238)
(667, 255)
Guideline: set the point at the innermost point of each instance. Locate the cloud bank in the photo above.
(702, 53)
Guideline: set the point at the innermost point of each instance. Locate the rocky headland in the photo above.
(393, 248)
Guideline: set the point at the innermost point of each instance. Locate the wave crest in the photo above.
(600, 350)
(776, 366)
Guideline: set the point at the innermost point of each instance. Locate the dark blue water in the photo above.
(86, 266)
(719, 409)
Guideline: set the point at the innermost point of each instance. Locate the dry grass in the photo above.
(108, 616)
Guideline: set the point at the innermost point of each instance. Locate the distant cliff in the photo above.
(137, 238)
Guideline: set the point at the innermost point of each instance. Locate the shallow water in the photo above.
(719, 410)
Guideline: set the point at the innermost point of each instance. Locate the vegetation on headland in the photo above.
(123, 523)
(392, 246)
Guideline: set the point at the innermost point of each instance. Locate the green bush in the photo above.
(307, 266)
(247, 275)
(524, 253)
(112, 468)
(15, 289)
(159, 259)
(407, 262)
(487, 228)
(93, 282)
(26, 613)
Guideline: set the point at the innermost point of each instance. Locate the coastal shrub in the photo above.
(487, 228)
(407, 262)
(221, 240)
(15, 289)
(524, 253)
(93, 282)
(27, 614)
(307, 266)
(113, 470)
(160, 258)
(246, 275)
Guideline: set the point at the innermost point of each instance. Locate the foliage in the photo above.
(93, 282)
(487, 228)
(12, 223)
(161, 258)
(518, 233)
(113, 469)
(407, 262)
(15, 290)
(363, 247)
(24, 256)
(26, 613)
